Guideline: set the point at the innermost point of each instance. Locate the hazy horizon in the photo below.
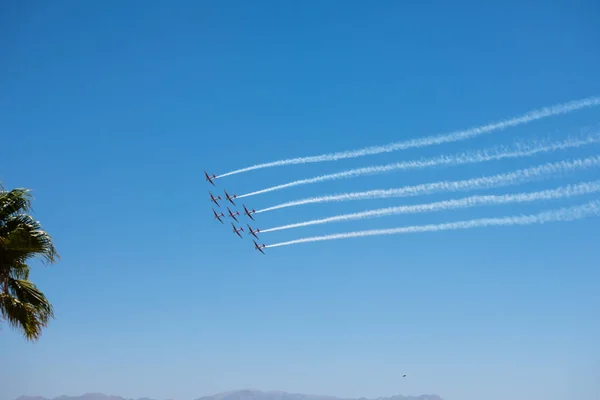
(253, 392)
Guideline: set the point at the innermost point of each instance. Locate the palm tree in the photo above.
(22, 239)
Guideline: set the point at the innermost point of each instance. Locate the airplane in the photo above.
(248, 213)
(253, 233)
(232, 215)
(257, 247)
(210, 178)
(214, 199)
(237, 231)
(217, 216)
(228, 197)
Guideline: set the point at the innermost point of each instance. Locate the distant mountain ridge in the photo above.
(278, 395)
(246, 394)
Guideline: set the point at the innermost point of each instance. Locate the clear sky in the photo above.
(111, 110)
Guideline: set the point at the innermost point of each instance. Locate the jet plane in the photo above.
(228, 197)
(232, 215)
(252, 232)
(214, 199)
(259, 248)
(218, 216)
(236, 230)
(210, 178)
(248, 213)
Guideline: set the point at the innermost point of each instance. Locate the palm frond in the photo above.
(26, 292)
(21, 316)
(24, 237)
(14, 201)
(19, 270)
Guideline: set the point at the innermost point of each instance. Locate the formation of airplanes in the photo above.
(233, 214)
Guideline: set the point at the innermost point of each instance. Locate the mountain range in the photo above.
(240, 395)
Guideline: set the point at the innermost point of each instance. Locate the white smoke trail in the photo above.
(517, 177)
(473, 201)
(519, 151)
(562, 214)
(434, 140)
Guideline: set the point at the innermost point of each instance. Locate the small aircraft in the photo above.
(210, 178)
(218, 216)
(232, 215)
(237, 231)
(259, 248)
(214, 199)
(228, 197)
(248, 213)
(252, 232)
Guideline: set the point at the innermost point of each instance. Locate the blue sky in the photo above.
(111, 111)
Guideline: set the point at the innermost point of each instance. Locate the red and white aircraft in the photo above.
(218, 216)
(236, 230)
(228, 197)
(232, 215)
(252, 232)
(248, 213)
(210, 178)
(214, 199)
(259, 248)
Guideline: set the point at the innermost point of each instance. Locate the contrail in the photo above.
(517, 177)
(473, 201)
(531, 116)
(562, 214)
(520, 150)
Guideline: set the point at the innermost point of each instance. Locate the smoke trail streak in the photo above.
(562, 214)
(520, 150)
(531, 116)
(517, 177)
(473, 201)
